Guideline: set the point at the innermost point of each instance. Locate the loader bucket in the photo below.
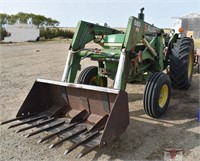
(87, 115)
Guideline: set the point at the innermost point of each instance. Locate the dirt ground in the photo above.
(144, 139)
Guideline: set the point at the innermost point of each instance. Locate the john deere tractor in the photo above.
(89, 113)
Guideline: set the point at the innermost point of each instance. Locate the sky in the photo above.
(113, 12)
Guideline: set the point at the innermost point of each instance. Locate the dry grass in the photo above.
(72, 29)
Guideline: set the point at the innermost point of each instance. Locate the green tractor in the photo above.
(137, 55)
(89, 113)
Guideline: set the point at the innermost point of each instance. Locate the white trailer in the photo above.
(22, 33)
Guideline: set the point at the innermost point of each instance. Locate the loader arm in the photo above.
(85, 32)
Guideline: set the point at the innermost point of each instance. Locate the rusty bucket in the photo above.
(87, 115)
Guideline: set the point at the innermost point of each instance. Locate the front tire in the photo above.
(157, 95)
(90, 76)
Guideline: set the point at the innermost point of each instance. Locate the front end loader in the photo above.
(85, 110)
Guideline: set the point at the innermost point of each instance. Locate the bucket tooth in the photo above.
(91, 145)
(17, 118)
(84, 140)
(87, 150)
(46, 128)
(28, 121)
(58, 132)
(100, 123)
(77, 116)
(74, 134)
(36, 125)
(56, 111)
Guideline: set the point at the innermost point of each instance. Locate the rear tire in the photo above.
(181, 63)
(90, 76)
(157, 95)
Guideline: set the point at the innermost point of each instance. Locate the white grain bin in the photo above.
(22, 33)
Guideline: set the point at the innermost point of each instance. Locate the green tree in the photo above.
(4, 19)
(38, 20)
(51, 23)
(12, 19)
(22, 17)
(3, 33)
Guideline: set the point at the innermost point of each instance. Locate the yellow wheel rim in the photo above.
(190, 64)
(101, 82)
(164, 92)
(94, 81)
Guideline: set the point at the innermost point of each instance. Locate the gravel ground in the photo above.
(144, 139)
